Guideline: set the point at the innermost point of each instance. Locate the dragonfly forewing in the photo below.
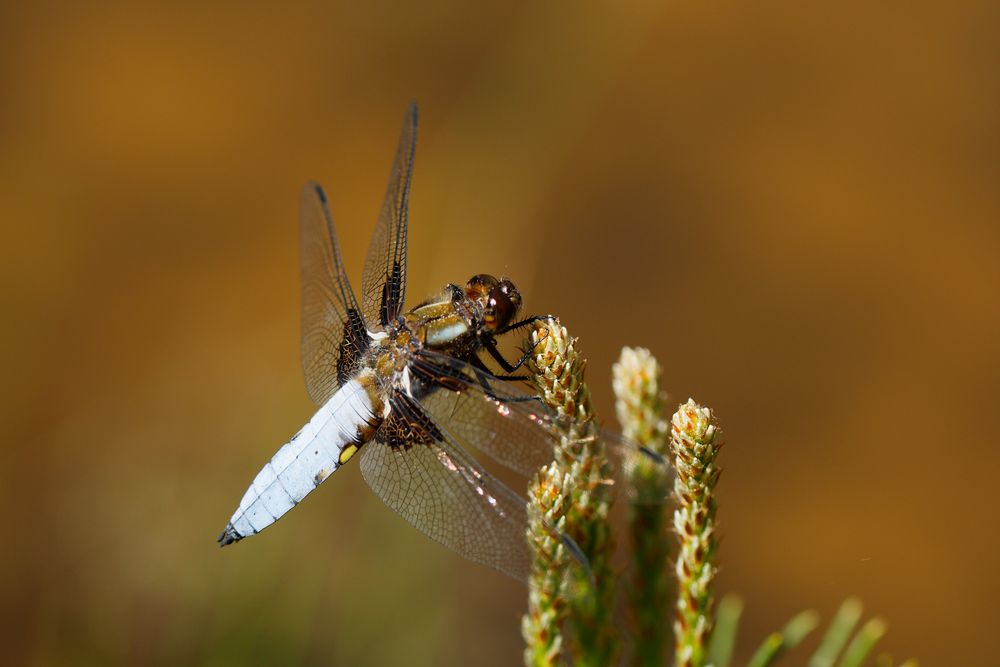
(334, 335)
(510, 425)
(383, 285)
(489, 415)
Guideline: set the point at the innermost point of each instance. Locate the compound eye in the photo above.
(508, 288)
(480, 285)
(499, 309)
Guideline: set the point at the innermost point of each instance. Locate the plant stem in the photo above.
(639, 404)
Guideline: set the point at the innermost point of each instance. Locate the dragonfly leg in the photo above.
(523, 323)
(508, 367)
(484, 375)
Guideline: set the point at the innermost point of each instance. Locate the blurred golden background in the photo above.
(794, 206)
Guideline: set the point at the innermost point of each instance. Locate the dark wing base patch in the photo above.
(392, 296)
(407, 424)
(352, 346)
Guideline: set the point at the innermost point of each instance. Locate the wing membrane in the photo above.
(442, 492)
(383, 286)
(502, 420)
(333, 330)
(510, 426)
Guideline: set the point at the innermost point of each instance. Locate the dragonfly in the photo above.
(407, 391)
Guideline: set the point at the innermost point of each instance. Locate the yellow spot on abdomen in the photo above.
(347, 453)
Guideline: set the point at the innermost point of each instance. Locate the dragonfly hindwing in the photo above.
(407, 424)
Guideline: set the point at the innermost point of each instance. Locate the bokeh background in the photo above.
(794, 205)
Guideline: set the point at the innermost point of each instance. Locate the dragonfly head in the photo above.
(499, 299)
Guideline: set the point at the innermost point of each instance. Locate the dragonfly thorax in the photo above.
(461, 319)
(390, 353)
